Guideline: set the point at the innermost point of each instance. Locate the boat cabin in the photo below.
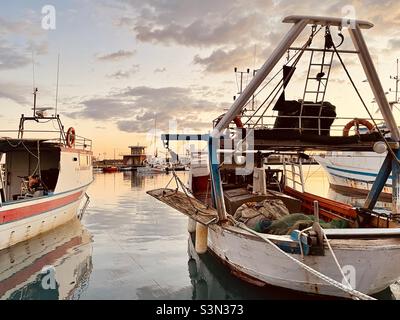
(31, 168)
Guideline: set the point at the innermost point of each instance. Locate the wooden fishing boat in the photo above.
(332, 248)
(45, 179)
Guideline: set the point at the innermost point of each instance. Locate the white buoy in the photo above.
(201, 238)
(191, 225)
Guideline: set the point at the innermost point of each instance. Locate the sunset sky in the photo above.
(125, 62)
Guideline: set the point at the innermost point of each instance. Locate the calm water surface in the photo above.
(131, 246)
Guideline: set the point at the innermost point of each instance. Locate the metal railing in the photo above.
(53, 136)
(268, 122)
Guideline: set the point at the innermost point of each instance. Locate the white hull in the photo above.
(23, 219)
(375, 262)
(27, 228)
(353, 171)
(150, 170)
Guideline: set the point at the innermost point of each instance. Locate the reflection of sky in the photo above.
(180, 66)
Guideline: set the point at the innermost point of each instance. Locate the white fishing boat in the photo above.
(153, 165)
(356, 171)
(274, 233)
(45, 178)
(353, 172)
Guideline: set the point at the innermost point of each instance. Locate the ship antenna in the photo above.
(35, 90)
(58, 75)
(397, 80)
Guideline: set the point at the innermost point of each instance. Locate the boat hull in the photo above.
(355, 173)
(27, 219)
(374, 262)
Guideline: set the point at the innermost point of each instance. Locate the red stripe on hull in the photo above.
(34, 209)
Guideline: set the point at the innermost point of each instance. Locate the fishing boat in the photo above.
(356, 171)
(153, 165)
(260, 222)
(45, 178)
(110, 169)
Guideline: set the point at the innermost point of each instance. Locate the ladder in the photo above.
(291, 174)
(316, 97)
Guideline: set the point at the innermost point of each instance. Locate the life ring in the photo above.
(356, 123)
(237, 121)
(70, 138)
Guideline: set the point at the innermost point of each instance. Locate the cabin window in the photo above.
(83, 162)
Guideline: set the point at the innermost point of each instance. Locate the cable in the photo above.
(365, 106)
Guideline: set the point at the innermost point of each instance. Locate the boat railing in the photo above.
(53, 136)
(334, 129)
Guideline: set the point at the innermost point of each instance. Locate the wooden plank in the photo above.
(189, 206)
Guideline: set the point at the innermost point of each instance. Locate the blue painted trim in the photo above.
(354, 179)
(355, 172)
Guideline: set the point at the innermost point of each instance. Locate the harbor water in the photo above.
(131, 246)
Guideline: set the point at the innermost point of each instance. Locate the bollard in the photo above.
(201, 238)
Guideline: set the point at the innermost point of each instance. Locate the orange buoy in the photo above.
(356, 123)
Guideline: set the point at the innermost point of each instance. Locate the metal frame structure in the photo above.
(300, 22)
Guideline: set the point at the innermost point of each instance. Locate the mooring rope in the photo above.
(352, 292)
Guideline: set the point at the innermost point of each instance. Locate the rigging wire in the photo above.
(365, 106)
(298, 54)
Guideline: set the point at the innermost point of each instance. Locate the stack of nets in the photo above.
(272, 216)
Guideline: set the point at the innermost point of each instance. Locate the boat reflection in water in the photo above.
(54, 265)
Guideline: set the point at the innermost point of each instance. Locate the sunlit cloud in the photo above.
(116, 56)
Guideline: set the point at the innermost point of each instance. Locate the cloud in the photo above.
(134, 109)
(394, 43)
(18, 39)
(12, 58)
(160, 70)
(210, 23)
(107, 108)
(224, 60)
(124, 74)
(14, 92)
(116, 56)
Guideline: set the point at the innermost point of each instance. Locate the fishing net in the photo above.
(272, 216)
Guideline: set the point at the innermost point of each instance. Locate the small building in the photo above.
(136, 158)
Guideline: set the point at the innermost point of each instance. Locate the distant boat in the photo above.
(110, 169)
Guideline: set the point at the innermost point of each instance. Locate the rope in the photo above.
(336, 260)
(179, 182)
(298, 53)
(352, 292)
